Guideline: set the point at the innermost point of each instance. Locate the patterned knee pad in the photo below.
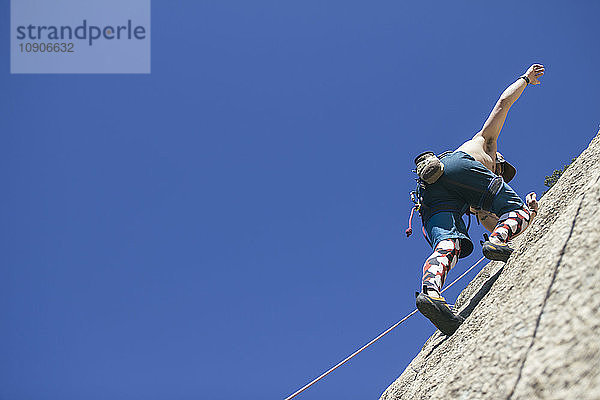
(442, 260)
(511, 224)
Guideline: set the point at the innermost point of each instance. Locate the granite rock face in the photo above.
(533, 324)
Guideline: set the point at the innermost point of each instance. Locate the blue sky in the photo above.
(232, 225)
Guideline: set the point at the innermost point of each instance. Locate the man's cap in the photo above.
(508, 170)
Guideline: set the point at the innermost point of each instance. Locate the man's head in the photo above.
(505, 169)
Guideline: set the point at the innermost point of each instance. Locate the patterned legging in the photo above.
(446, 253)
(511, 224)
(438, 265)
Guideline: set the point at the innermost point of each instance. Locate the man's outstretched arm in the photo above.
(493, 125)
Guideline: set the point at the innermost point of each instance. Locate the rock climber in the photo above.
(473, 178)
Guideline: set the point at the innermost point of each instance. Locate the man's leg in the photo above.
(430, 303)
(509, 225)
(438, 265)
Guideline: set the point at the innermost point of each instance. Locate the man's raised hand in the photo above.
(534, 73)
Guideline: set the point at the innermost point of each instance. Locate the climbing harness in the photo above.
(413, 312)
(427, 212)
(429, 169)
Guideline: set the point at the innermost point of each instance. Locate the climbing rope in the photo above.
(376, 339)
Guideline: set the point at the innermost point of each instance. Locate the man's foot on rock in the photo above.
(437, 311)
(496, 252)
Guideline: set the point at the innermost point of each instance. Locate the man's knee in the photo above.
(449, 248)
(446, 253)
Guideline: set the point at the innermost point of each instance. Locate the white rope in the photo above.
(323, 375)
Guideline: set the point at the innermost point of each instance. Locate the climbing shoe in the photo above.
(496, 252)
(438, 312)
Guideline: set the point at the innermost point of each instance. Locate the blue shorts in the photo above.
(465, 183)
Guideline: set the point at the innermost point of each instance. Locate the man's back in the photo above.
(476, 148)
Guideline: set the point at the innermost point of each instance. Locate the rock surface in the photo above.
(533, 324)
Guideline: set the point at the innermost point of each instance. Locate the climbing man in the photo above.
(472, 178)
